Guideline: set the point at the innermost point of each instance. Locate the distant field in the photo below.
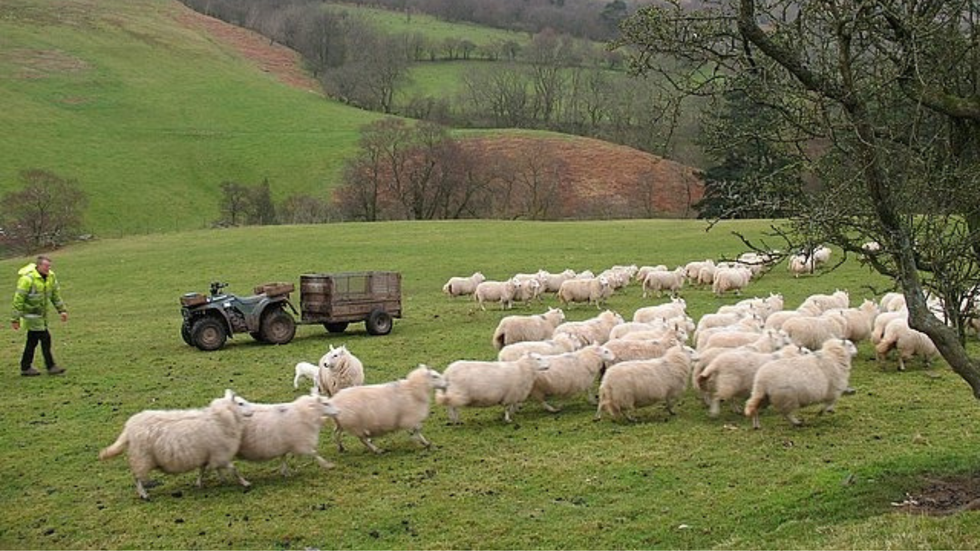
(544, 482)
(150, 115)
(433, 28)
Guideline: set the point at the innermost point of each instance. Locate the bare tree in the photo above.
(234, 203)
(881, 102)
(46, 213)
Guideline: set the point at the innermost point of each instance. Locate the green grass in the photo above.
(434, 29)
(150, 115)
(546, 481)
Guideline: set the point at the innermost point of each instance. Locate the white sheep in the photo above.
(871, 246)
(731, 373)
(628, 327)
(503, 292)
(730, 279)
(276, 430)
(892, 302)
(799, 264)
(530, 287)
(812, 331)
(909, 342)
(339, 369)
(821, 255)
(663, 281)
(459, 286)
(591, 331)
(570, 374)
(720, 319)
(552, 282)
(882, 321)
(307, 370)
(626, 350)
(693, 269)
(558, 345)
(485, 384)
(594, 291)
(642, 272)
(177, 441)
(819, 303)
(514, 329)
(706, 275)
(677, 307)
(638, 383)
(763, 307)
(776, 319)
(791, 383)
(767, 341)
(860, 321)
(373, 410)
(750, 324)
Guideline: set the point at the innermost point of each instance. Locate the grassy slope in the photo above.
(154, 115)
(547, 481)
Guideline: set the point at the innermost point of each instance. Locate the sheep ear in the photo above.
(229, 394)
(331, 347)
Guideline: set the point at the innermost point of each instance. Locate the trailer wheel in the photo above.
(277, 327)
(378, 323)
(335, 326)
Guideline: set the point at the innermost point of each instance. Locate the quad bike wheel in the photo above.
(277, 327)
(208, 333)
(185, 333)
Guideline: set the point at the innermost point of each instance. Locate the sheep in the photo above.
(821, 255)
(813, 331)
(871, 246)
(595, 291)
(642, 272)
(501, 291)
(730, 279)
(530, 287)
(638, 383)
(484, 384)
(628, 349)
(677, 307)
(882, 321)
(275, 430)
(459, 286)
(552, 282)
(907, 341)
(558, 345)
(587, 274)
(767, 341)
(776, 319)
(763, 307)
(628, 327)
(513, 329)
(818, 304)
(706, 275)
(661, 281)
(570, 374)
(791, 383)
(799, 264)
(339, 369)
(373, 410)
(591, 331)
(618, 277)
(751, 324)
(892, 302)
(177, 441)
(709, 321)
(308, 370)
(693, 269)
(731, 373)
(860, 321)
(732, 338)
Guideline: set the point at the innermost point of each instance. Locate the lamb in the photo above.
(513, 329)
(177, 441)
(907, 341)
(570, 374)
(663, 281)
(731, 373)
(275, 430)
(638, 383)
(373, 410)
(501, 291)
(591, 331)
(677, 307)
(860, 321)
(551, 347)
(812, 331)
(459, 286)
(339, 369)
(730, 279)
(791, 383)
(484, 384)
(871, 246)
(594, 291)
(308, 370)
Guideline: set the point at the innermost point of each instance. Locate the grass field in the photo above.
(151, 115)
(434, 29)
(545, 481)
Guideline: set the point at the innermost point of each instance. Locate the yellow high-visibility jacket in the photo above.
(32, 296)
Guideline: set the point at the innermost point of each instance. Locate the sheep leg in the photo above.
(241, 479)
(793, 419)
(141, 490)
(453, 413)
(598, 413)
(284, 468)
(370, 445)
(321, 461)
(200, 477)
(417, 436)
(296, 381)
(337, 439)
(755, 422)
(901, 363)
(669, 406)
(550, 408)
(715, 407)
(508, 411)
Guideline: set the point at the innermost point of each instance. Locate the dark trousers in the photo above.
(34, 337)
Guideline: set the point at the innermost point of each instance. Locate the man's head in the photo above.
(43, 264)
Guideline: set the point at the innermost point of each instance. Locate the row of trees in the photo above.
(46, 213)
(252, 205)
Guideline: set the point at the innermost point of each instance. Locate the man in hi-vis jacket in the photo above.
(36, 288)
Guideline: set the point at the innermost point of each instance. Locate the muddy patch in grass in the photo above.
(942, 496)
(34, 64)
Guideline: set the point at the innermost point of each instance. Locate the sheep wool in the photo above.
(276, 430)
(514, 329)
(591, 331)
(503, 292)
(177, 441)
(373, 410)
(791, 383)
(339, 369)
(570, 374)
(485, 384)
(558, 345)
(459, 286)
(633, 384)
